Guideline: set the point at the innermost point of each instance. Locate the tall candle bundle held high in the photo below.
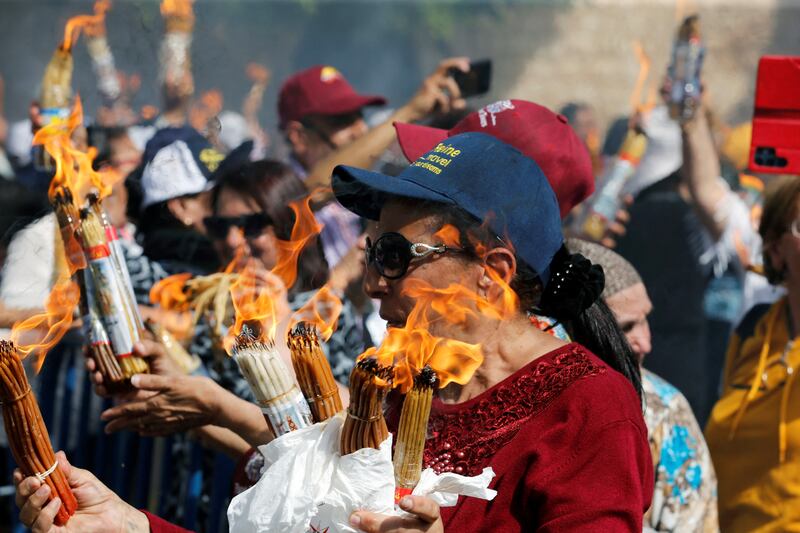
(27, 434)
(314, 372)
(108, 288)
(281, 401)
(99, 345)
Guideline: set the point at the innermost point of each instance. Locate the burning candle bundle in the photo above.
(281, 401)
(175, 56)
(27, 434)
(365, 426)
(412, 431)
(102, 59)
(99, 345)
(109, 292)
(314, 372)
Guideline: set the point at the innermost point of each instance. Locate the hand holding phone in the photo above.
(476, 81)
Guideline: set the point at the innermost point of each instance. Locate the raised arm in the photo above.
(701, 173)
(439, 92)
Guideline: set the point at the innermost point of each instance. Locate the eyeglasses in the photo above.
(251, 225)
(392, 254)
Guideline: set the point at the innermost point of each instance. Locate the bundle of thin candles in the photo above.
(281, 401)
(186, 362)
(314, 372)
(364, 426)
(412, 431)
(98, 343)
(106, 288)
(54, 98)
(27, 434)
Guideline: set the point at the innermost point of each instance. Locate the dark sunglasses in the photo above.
(392, 254)
(251, 225)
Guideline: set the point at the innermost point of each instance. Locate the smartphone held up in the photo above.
(476, 81)
(775, 145)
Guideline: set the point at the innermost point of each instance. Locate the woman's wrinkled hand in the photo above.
(426, 518)
(174, 404)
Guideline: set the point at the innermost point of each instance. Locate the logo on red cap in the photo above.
(329, 74)
(491, 110)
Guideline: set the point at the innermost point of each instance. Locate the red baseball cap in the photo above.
(320, 90)
(537, 132)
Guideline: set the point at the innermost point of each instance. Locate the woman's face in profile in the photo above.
(261, 246)
(436, 271)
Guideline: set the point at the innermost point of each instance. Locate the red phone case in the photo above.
(775, 146)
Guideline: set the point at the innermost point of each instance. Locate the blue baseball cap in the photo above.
(482, 175)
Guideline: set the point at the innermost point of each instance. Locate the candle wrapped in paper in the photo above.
(277, 394)
(109, 291)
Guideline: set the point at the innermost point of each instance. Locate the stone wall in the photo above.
(592, 59)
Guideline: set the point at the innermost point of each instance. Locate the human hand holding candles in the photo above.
(99, 510)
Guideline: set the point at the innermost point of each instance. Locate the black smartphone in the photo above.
(476, 81)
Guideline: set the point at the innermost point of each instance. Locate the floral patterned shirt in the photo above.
(685, 497)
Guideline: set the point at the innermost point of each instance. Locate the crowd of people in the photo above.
(643, 381)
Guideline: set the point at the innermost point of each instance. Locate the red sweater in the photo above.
(567, 442)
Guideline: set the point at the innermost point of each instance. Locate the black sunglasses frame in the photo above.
(406, 251)
(252, 225)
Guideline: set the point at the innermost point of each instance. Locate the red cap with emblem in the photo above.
(534, 130)
(320, 90)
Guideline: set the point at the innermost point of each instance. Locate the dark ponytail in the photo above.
(598, 330)
(572, 296)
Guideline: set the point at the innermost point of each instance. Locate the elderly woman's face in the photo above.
(437, 270)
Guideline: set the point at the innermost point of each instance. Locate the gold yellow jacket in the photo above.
(754, 429)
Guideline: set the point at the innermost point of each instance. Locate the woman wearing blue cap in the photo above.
(560, 425)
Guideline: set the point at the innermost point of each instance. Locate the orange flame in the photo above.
(413, 346)
(322, 311)
(259, 295)
(75, 24)
(73, 167)
(74, 171)
(169, 292)
(644, 70)
(448, 235)
(177, 8)
(57, 318)
(304, 230)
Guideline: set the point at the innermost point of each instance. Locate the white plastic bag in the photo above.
(306, 482)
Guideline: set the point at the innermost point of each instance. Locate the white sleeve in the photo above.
(740, 243)
(30, 262)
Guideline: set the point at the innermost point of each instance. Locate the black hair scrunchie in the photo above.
(575, 284)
